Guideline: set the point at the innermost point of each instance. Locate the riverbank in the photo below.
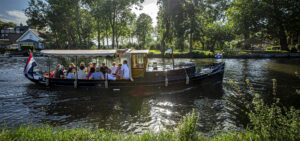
(187, 130)
(231, 55)
(50, 133)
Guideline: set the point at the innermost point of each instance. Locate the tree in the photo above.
(37, 14)
(9, 24)
(143, 28)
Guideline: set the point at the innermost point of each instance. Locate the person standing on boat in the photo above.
(125, 70)
(114, 68)
(104, 68)
(58, 73)
(118, 72)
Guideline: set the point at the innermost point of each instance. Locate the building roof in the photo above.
(37, 33)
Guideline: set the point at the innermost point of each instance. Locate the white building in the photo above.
(31, 37)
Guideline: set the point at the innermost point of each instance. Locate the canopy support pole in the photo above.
(48, 79)
(106, 81)
(173, 57)
(76, 78)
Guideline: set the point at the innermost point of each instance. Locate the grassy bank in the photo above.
(228, 54)
(185, 131)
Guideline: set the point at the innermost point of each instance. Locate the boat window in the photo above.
(138, 60)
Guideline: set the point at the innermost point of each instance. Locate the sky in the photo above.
(13, 10)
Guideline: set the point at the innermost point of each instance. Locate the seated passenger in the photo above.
(92, 70)
(125, 70)
(118, 71)
(70, 74)
(104, 68)
(72, 66)
(58, 72)
(81, 73)
(114, 68)
(97, 75)
(83, 64)
(90, 66)
(109, 75)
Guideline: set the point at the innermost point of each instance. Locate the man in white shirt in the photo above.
(114, 68)
(125, 70)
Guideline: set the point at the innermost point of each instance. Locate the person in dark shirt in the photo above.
(104, 68)
(58, 72)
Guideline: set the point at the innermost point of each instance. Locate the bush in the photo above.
(27, 48)
(269, 122)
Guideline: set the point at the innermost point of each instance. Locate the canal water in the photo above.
(23, 102)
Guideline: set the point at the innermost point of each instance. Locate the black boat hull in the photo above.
(147, 86)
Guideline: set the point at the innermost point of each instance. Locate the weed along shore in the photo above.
(267, 122)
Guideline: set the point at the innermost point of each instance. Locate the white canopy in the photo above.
(138, 51)
(85, 53)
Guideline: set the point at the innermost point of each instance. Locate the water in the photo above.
(22, 102)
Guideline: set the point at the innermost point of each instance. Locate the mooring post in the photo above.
(187, 78)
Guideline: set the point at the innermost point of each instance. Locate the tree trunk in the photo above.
(78, 23)
(191, 42)
(247, 36)
(283, 40)
(164, 38)
(98, 34)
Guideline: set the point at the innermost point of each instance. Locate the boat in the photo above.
(143, 75)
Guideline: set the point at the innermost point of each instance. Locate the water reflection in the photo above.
(23, 102)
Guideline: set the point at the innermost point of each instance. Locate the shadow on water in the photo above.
(121, 111)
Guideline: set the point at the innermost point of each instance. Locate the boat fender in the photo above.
(47, 82)
(187, 80)
(75, 84)
(166, 82)
(106, 84)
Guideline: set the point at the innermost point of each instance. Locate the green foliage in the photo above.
(27, 48)
(143, 28)
(4, 50)
(268, 122)
(273, 122)
(9, 24)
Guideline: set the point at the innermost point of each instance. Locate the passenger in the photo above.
(109, 75)
(114, 68)
(62, 68)
(70, 74)
(89, 67)
(125, 70)
(97, 75)
(58, 72)
(72, 66)
(81, 73)
(104, 68)
(92, 70)
(83, 64)
(118, 71)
